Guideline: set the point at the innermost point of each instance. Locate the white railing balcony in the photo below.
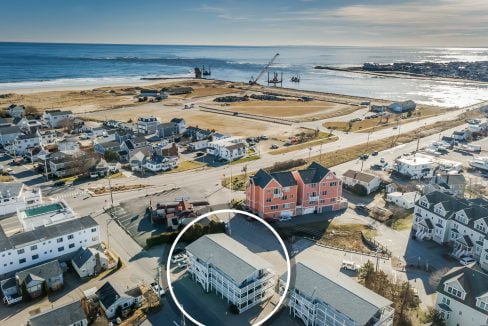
(313, 198)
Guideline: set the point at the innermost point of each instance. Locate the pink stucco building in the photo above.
(312, 190)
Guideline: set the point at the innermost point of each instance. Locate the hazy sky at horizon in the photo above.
(456, 23)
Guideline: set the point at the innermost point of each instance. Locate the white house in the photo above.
(114, 296)
(158, 163)
(462, 297)
(71, 314)
(147, 125)
(15, 197)
(320, 295)
(198, 145)
(460, 223)
(227, 149)
(29, 125)
(21, 250)
(219, 263)
(23, 143)
(68, 145)
(181, 123)
(369, 181)
(47, 136)
(404, 200)
(8, 134)
(56, 118)
(16, 111)
(89, 261)
(400, 107)
(415, 166)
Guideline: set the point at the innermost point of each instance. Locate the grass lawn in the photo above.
(246, 159)
(185, 166)
(403, 223)
(322, 138)
(6, 178)
(347, 236)
(116, 175)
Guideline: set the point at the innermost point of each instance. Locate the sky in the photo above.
(451, 23)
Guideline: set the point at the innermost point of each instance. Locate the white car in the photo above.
(467, 260)
(178, 258)
(157, 289)
(285, 218)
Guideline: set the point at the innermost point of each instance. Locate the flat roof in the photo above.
(45, 209)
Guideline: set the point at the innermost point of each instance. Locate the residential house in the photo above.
(14, 196)
(197, 134)
(8, 134)
(401, 107)
(21, 145)
(89, 261)
(106, 146)
(57, 118)
(272, 195)
(458, 223)
(227, 149)
(462, 297)
(157, 163)
(71, 314)
(63, 164)
(56, 241)
(16, 111)
(319, 190)
(198, 145)
(415, 166)
(29, 126)
(404, 200)
(138, 160)
(320, 295)
(450, 183)
(47, 136)
(181, 123)
(168, 130)
(36, 280)
(147, 125)
(312, 190)
(369, 181)
(68, 145)
(112, 297)
(135, 145)
(219, 263)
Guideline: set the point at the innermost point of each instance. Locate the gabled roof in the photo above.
(107, 295)
(82, 255)
(337, 290)
(40, 272)
(285, 179)
(314, 173)
(474, 282)
(229, 256)
(361, 176)
(7, 130)
(64, 315)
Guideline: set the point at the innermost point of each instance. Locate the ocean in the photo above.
(32, 65)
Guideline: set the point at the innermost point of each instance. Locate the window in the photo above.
(274, 207)
(324, 193)
(34, 247)
(313, 185)
(22, 260)
(446, 301)
(276, 191)
(20, 251)
(333, 184)
(94, 229)
(483, 305)
(59, 240)
(34, 257)
(268, 200)
(287, 205)
(71, 245)
(60, 249)
(70, 237)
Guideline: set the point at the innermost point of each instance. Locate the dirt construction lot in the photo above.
(222, 123)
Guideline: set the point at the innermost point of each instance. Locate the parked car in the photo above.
(375, 153)
(264, 137)
(285, 218)
(382, 160)
(59, 183)
(364, 157)
(376, 167)
(349, 265)
(198, 154)
(177, 258)
(157, 289)
(467, 260)
(9, 171)
(274, 146)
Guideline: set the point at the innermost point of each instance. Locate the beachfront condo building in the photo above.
(285, 194)
(321, 296)
(221, 264)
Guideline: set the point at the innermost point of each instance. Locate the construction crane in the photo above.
(254, 81)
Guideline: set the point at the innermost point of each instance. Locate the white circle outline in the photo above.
(236, 211)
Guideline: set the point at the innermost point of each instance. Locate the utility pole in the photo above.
(110, 188)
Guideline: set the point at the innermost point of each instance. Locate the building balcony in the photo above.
(313, 198)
